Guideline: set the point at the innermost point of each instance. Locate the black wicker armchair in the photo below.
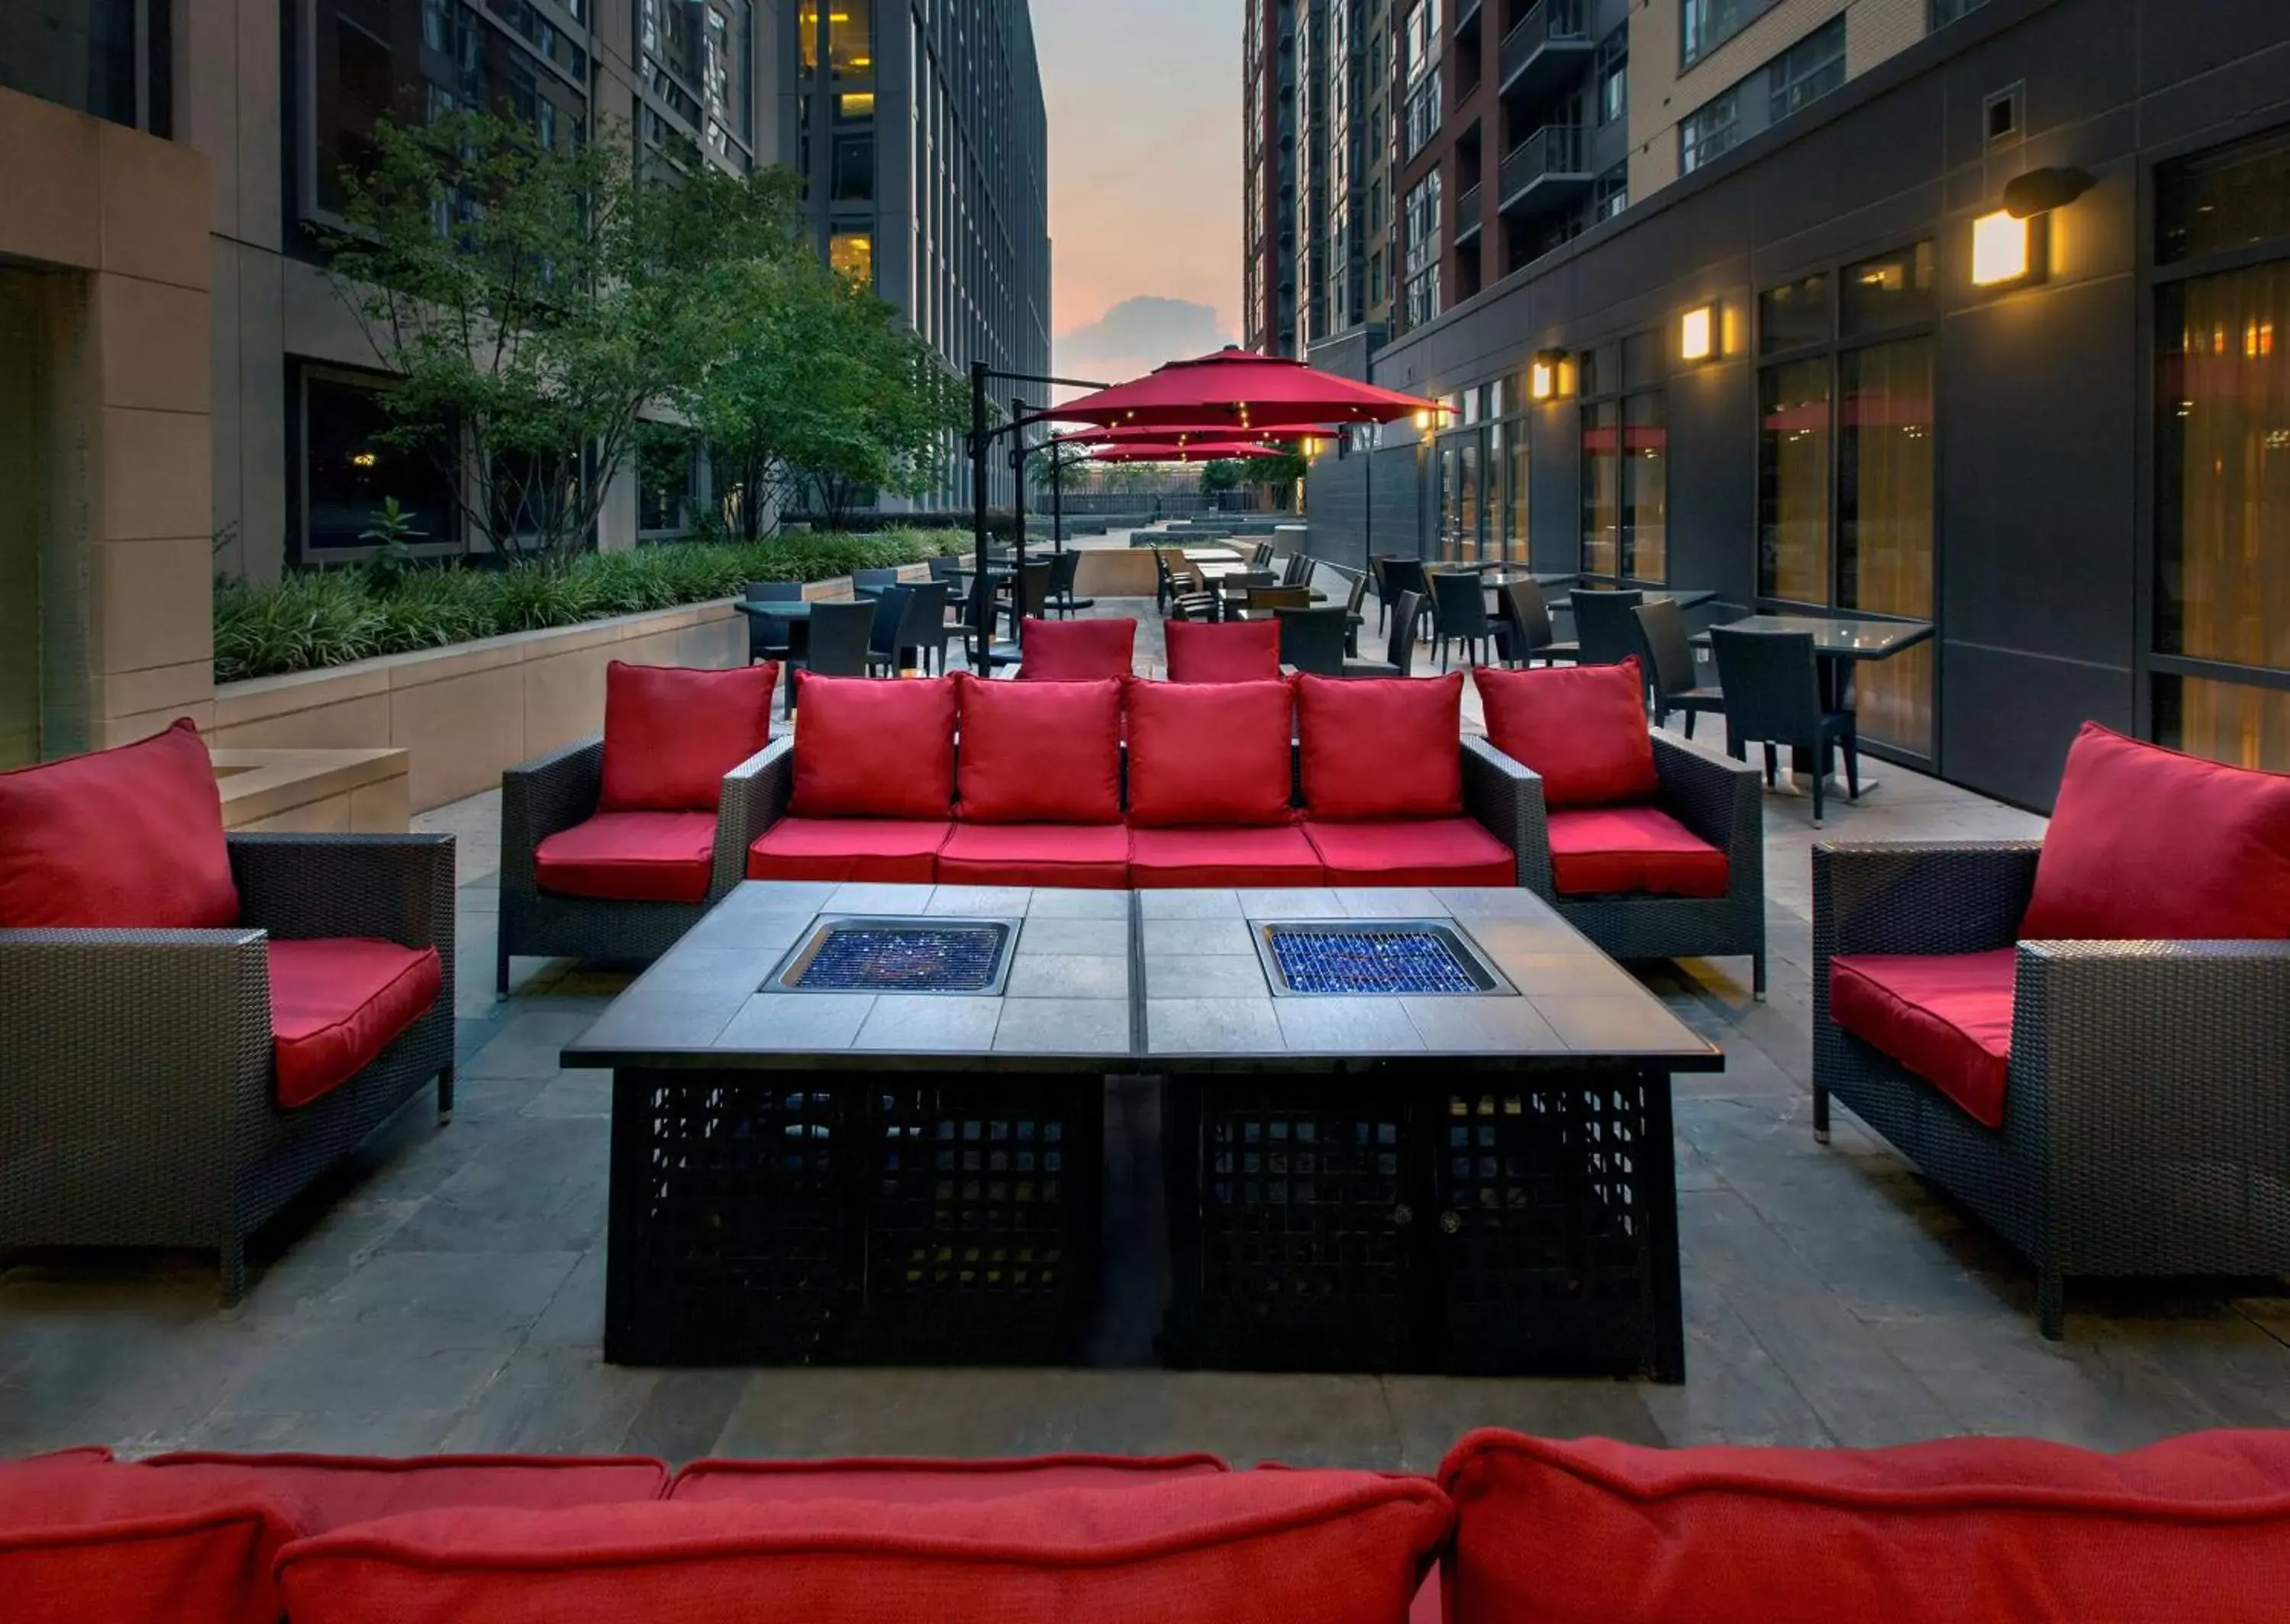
(137, 1102)
(2146, 1124)
(555, 792)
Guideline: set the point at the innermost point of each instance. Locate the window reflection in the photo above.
(1793, 484)
(1884, 527)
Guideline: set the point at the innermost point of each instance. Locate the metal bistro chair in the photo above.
(946, 568)
(1458, 614)
(1063, 568)
(1399, 652)
(1312, 640)
(1772, 688)
(840, 635)
(924, 630)
(1298, 572)
(1384, 590)
(1353, 617)
(1401, 576)
(1606, 631)
(1670, 665)
(873, 580)
(1524, 635)
(1262, 558)
(770, 639)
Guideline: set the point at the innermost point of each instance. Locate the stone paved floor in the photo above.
(445, 1290)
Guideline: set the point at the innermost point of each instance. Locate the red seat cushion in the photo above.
(81, 1542)
(1946, 1017)
(337, 1002)
(881, 850)
(1632, 850)
(1076, 651)
(1040, 752)
(1210, 858)
(873, 749)
(1223, 651)
(345, 1489)
(631, 857)
(917, 1482)
(1078, 856)
(127, 838)
(1381, 747)
(1237, 1548)
(1582, 728)
(2147, 845)
(1211, 753)
(1968, 1531)
(1413, 852)
(671, 734)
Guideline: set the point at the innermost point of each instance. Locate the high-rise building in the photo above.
(1269, 210)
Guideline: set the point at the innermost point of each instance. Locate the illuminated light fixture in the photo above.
(1423, 418)
(363, 459)
(2000, 249)
(1697, 334)
(1543, 377)
(855, 104)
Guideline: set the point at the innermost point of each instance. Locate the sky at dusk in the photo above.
(1144, 106)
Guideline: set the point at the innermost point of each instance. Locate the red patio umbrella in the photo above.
(1167, 451)
(1163, 434)
(1239, 388)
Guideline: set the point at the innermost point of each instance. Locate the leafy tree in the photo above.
(1217, 477)
(537, 300)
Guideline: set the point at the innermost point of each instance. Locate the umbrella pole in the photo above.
(1018, 503)
(1057, 498)
(979, 629)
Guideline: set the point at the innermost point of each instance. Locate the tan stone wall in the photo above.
(1660, 95)
(465, 714)
(314, 792)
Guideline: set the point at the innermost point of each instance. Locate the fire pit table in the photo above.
(1411, 1129)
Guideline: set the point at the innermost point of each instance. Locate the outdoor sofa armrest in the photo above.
(1949, 897)
(389, 887)
(1720, 800)
(1506, 795)
(755, 797)
(546, 796)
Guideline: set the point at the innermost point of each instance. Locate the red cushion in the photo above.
(2147, 845)
(81, 1542)
(671, 734)
(1211, 753)
(337, 1002)
(129, 839)
(873, 749)
(1078, 856)
(880, 850)
(1223, 651)
(1040, 752)
(914, 1482)
(1076, 651)
(1969, 1530)
(1239, 1548)
(345, 1489)
(1583, 728)
(1381, 747)
(1633, 850)
(1946, 1017)
(631, 857)
(1413, 852)
(1210, 858)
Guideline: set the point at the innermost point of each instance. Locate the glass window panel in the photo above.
(1885, 527)
(1646, 490)
(1467, 498)
(1793, 315)
(2230, 198)
(2223, 474)
(1705, 25)
(1807, 71)
(851, 39)
(79, 54)
(349, 470)
(853, 252)
(1889, 291)
(2234, 723)
(1602, 506)
(1520, 540)
(1793, 482)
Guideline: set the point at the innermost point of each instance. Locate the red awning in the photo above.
(1238, 389)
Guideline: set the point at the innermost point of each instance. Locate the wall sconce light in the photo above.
(2039, 191)
(1543, 376)
(1423, 417)
(2003, 250)
(1697, 334)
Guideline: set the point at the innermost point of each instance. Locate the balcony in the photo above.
(1547, 171)
(1550, 46)
(1468, 216)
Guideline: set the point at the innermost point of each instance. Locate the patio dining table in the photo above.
(1840, 644)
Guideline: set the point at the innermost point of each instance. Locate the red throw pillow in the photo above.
(1968, 1531)
(1381, 747)
(1210, 753)
(1223, 651)
(671, 732)
(1039, 752)
(2147, 845)
(339, 1490)
(873, 749)
(1076, 651)
(1239, 1548)
(1583, 728)
(120, 839)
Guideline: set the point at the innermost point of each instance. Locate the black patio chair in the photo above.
(873, 580)
(1405, 575)
(1668, 659)
(1262, 558)
(1399, 652)
(769, 639)
(1605, 630)
(1772, 687)
(1523, 634)
(946, 568)
(1353, 617)
(890, 605)
(1458, 614)
(1063, 568)
(840, 636)
(924, 630)
(1181, 592)
(1312, 640)
(1384, 588)
(1298, 572)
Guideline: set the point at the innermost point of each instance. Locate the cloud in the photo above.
(1136, 336)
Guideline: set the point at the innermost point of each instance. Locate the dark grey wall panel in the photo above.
(2008, 717)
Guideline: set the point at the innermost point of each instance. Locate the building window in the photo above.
(2222, 465)
(1625, 469)
(108, 58)
(1946, 11)
(1705, 25)
(855, 169)
(1808, 70)
(1793, 482)
(1423, 113)
(694, 63)
(1375, 278)
(1709, 129)
(1420, 39)
(1423, 294)
(851, 39)
(1614, 76)
(1611, 194)
(853, 254)
(349, 468)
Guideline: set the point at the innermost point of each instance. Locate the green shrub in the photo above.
(319, 618)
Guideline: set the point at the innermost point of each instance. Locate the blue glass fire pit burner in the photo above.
(900, 956)
(1385, 959)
